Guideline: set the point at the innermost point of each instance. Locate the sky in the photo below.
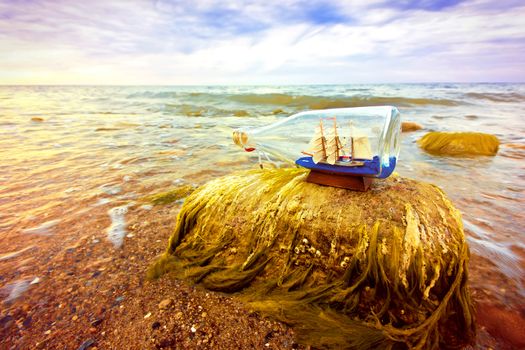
(177, 42)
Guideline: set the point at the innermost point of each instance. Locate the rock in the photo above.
(86, 344)
(118, 300)
(402, 245)
(27, 321)
(277, 111)
(166, 304)
(459, 143)
(37, 119)
(410, 126)
(155, 325)
(148, 315)
(6, 321)
(96, 322)
(241, 113)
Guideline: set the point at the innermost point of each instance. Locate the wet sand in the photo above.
(91, 294)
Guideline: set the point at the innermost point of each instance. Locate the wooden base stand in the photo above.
(356, 183)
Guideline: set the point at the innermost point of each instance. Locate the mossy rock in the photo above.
(459, 143)
(384, 269)
(410, 126)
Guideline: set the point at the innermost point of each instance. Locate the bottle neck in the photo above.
(241, 139)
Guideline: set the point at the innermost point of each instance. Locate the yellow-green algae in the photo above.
(169, 196)
(459, 143)
(384, 269)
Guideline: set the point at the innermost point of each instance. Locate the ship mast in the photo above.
(352, 140)
(323, 138)
(334, 146)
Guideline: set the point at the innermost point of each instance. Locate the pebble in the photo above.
(47, 332)
(96, 322)
(193, 329)
(74, 318)
(86, 344)
(148, 315)
(35, 281)
(166, 304)
(155, 325)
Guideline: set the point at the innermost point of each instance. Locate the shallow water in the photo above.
(67, 150)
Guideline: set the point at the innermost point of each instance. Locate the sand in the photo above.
(90, 294)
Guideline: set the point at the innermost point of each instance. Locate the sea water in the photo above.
(67, 150)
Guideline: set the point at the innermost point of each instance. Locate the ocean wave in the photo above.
(497, 97)
(322, 102)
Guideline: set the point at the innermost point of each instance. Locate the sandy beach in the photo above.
(93, 295)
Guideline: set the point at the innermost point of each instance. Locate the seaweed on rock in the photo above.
(459, 143)
(384, 269)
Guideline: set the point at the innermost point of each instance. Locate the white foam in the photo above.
(10, 255)
(102, 201)
(111, 189)
(146, 206)
(43, 229)
(117, 230)
(15, 289)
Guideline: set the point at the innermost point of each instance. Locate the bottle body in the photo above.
(354, 141)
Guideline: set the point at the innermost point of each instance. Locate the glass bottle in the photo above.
(361, 141)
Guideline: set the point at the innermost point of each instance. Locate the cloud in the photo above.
(230, 42)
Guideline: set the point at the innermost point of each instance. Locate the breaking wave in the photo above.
(321, 102)
(497, 97)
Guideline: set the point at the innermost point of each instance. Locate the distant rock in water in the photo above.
(37, 119)
(410, 126)
(240, 113)
(459, 143)
(383, 269)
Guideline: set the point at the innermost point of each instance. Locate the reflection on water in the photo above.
(66, 151)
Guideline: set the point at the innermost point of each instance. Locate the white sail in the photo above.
(317, 140)
(318, 156)
(333, 149)
(317, 145)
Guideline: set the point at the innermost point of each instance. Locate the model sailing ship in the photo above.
(349, 160)
(336, 163)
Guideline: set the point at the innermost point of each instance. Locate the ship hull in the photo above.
(369, 168)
